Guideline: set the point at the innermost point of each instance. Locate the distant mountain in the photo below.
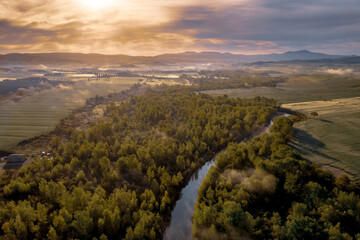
(65, 58)
(217, 57)
(298, 55)
(164, 59)
(348, 60)
(203, 57)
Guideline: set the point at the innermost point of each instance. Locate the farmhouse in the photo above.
(16, 158)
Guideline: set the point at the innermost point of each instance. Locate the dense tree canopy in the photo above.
(262, 189)
(120, 178)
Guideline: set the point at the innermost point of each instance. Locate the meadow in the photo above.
(333, 138)
(300, 89)
(40, 113)
(335, 133)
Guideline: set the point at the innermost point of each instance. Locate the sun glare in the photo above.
(98, 4)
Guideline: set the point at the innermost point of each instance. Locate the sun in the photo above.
(98, 4)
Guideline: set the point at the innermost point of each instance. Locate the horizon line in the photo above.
(167, 53)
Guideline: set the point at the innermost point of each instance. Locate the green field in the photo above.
(40, 113)
(319, 88)
(332, 140)
(335, 133)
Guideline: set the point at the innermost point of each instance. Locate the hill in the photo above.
(347, 60)
(164, 59)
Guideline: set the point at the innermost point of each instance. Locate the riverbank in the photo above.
(135, 160)
(181, 217)
(263, 189)
(331, 139)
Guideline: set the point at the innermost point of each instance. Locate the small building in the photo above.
(16, 158)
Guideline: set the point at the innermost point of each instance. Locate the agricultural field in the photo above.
(335, 134)
(333, 138)
(40, 113)
(301, 88)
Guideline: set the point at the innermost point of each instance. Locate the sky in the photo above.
(145, 27)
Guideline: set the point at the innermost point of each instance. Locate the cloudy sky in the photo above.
(145, 27)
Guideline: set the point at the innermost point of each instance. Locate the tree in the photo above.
(165, 201)
(314, 114)
(82, 224)
(52, 234)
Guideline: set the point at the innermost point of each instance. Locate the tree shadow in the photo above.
(304, 142)
(12, 166)
(324, 120)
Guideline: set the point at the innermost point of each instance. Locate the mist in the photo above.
(256, 181)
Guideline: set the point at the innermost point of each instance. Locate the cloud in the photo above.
(295, 24)
(16, 34)
(259, 26)
(146, 38)
(152, 27)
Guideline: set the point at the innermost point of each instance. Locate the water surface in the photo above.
(181, 217)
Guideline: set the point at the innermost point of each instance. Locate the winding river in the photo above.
(181, 224)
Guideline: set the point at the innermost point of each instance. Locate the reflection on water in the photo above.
(181, 225)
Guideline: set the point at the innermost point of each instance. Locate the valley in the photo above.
(179, 120)
(133, 140)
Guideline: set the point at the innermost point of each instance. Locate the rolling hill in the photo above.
(164, 59)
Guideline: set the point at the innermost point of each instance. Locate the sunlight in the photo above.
(98, 4)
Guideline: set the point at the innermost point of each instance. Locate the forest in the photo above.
(229, 79)
(120, 178)
(262, 189)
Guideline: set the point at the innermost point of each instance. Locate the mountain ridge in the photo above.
(162, 59)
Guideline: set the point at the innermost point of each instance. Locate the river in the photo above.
(181, 217)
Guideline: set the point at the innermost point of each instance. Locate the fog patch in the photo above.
(84, 92)
(256, 181)
(46, 85)
(64, 87)
(23, 92)
(29, 90)
(338, 71)
(237, 177)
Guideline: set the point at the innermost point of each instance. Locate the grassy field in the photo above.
(335, 107)
(301, 89)
(333, 139)
(40, 113)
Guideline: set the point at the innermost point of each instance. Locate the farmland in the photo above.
(37, 114)
(301, 89)
(335, 134)
(332, 139)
